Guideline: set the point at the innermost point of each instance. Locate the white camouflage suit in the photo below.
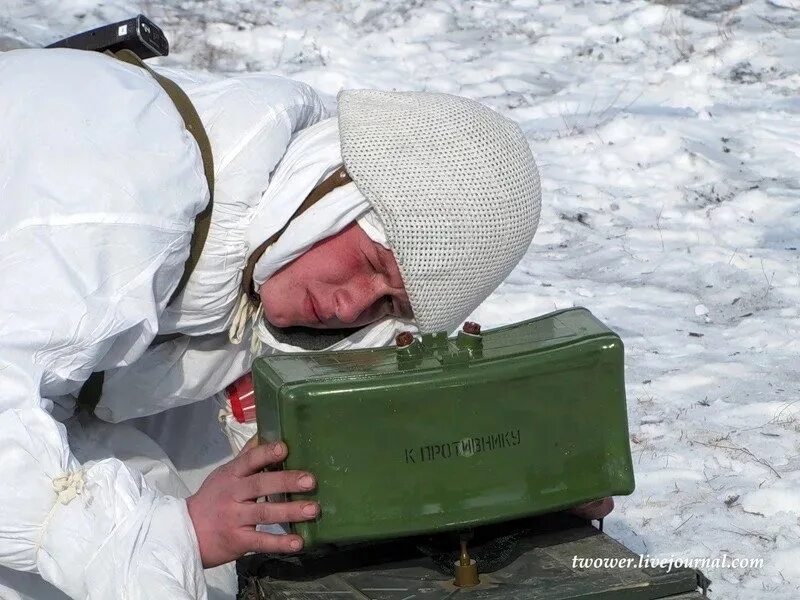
(99, 185)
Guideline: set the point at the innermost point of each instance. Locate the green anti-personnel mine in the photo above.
(444, 434)
(459, 441)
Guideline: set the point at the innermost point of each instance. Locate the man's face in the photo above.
(346, 280)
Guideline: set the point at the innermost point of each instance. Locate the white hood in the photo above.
(250, 121)
(272, 144)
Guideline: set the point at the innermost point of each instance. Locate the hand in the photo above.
(225, 513)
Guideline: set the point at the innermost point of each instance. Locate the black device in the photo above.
(139, 34)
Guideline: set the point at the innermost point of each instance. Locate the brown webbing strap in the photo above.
(336, 179)
(194, 125)
(92, 389)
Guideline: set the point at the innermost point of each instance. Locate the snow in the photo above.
(668, 139)
(770, 502)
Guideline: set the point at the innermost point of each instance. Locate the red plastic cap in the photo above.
(472, 328)
(242, 399)
(406, 338)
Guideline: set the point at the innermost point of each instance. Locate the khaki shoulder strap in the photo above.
(90, 393)
(336, 179)
(194, 126)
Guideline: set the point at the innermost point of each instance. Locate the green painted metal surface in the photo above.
(450, 433)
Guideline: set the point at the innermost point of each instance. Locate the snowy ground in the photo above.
(668, 136)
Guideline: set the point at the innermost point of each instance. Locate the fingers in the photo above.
(274, 482)
(279, 512)
(257, 458)
(269, 543)
(251, 443)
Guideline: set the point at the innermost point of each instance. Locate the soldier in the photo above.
(404, 212)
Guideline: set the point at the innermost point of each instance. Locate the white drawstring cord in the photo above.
(255, 340)
(66, 487)
(247, 310)
(243, 313)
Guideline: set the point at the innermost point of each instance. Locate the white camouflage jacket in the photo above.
(99, 186)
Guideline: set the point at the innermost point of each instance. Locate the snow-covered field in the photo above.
(668, 136)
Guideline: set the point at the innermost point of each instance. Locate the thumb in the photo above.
(251, 443)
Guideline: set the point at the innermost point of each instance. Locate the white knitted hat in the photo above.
(456, 187)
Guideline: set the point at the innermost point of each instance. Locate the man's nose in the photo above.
(353, 300)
